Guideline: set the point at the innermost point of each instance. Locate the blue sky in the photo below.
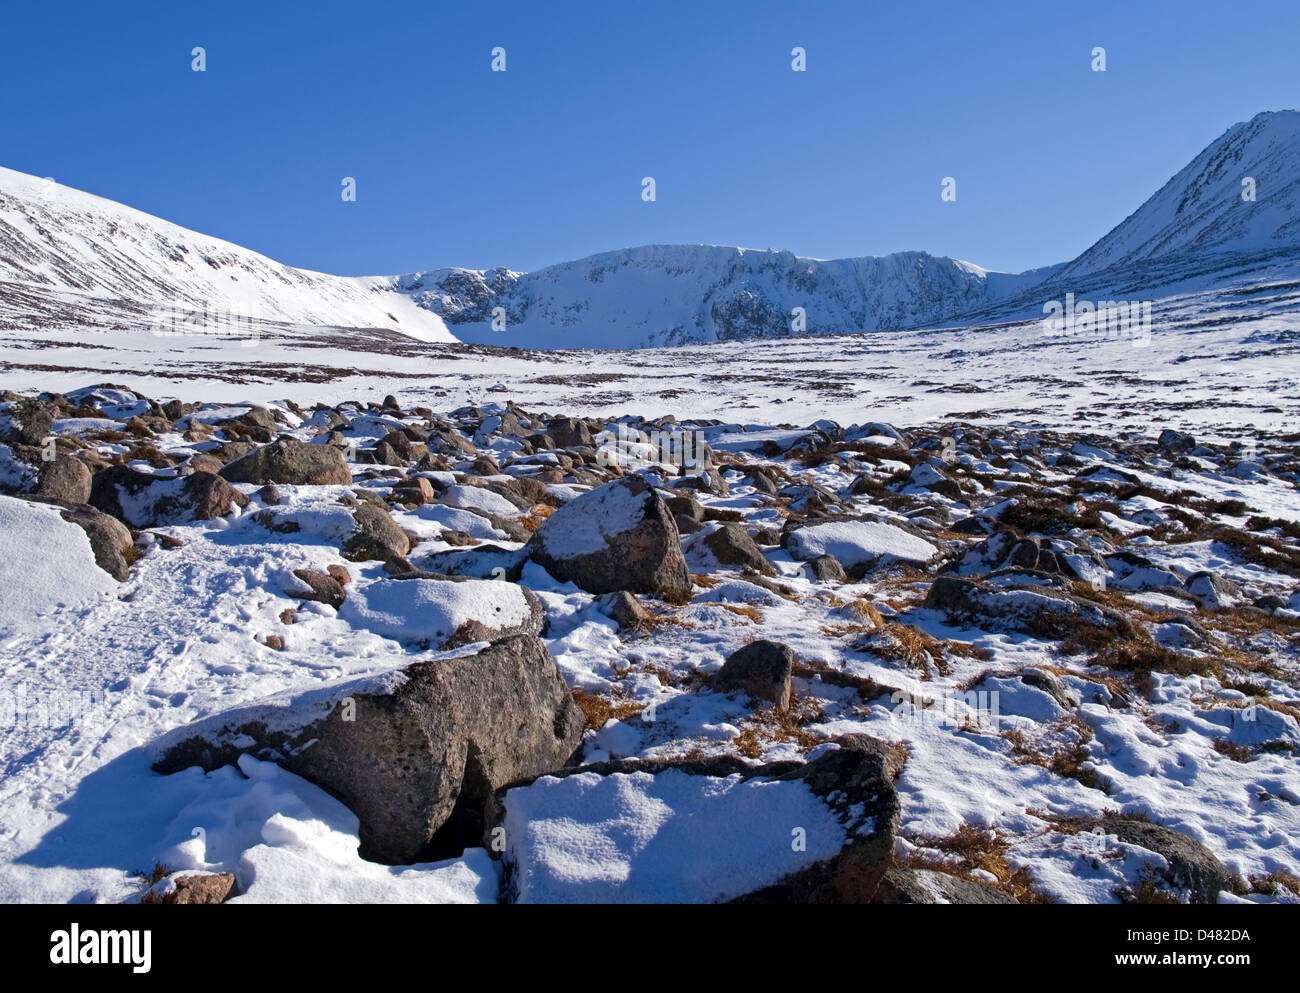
(458, 165)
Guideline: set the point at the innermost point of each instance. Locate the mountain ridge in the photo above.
(68, 256)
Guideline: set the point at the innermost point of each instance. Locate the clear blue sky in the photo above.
(458, 165)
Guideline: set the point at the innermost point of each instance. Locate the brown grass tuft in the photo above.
(975, 848)
(599, 710)
(771, 726)
(1071, 735)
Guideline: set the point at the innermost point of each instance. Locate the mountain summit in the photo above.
(1240, 195)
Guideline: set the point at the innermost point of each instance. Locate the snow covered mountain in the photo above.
(1195, 233)
(677, 294)
(69, 258)
(1240, 195)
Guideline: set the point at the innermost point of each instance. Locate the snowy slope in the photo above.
(67, 257)
(1200, 211)
(1219, 361)
(678, 294)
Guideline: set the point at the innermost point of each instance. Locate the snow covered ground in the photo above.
(1219, 362)
(93, 672)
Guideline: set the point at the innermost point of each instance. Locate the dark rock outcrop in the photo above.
(290, 462)
(407, 754)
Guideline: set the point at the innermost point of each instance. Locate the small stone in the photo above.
(191, 888)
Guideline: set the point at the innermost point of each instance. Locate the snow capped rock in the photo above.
(619, 536)
(47, 561)
(480, 498)
(459, 726)
(706, 832)
(855, 543)
(442, 613)
(635, 843)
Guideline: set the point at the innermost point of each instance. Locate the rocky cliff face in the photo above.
(675, 294)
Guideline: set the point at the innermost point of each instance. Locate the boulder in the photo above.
(927, 477)
(532, 491)
(1192, 869)
(290, 462)
(143, 500)
(1131, 571)
(27, 422)
(761, 669)
(971, 525)
(441, 611)
(1003, 549)
(859, 545)
(400, 443)
(761, 482)
(411, 752)
(191, 888)
(685, 506)
(845, 798)
(857, 781)
(66, 478)
(568, 432)
(110, 541)
(377, 536)
(482, 561)
(1213, 590)
(480, 498)
(417, 490)
(827, 569)
(202, 462)
(382, 454)
(1034, 610)
(321, 587)
(687, 525)
(619, 536)
(926, 886)
(1175, 441)
(623, 608)
(731, 545)
(229, 451)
